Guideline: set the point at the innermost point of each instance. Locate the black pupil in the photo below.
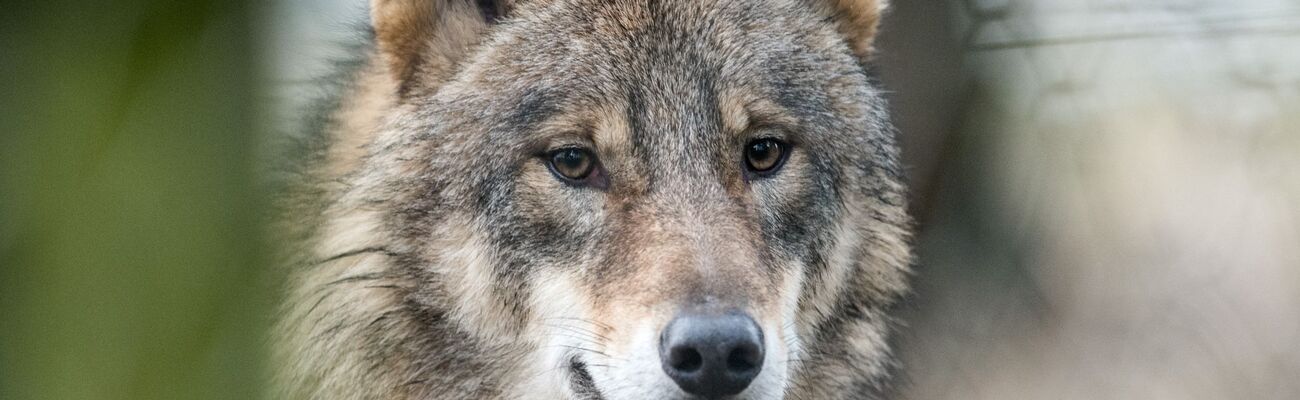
(764, 154)
(572, 163)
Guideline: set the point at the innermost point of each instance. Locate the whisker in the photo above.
(582, 341)
(584, 320)
(562, 365)
(357, 252)
(577, 330)
(360, 277)
(589, 351)
(580, 348)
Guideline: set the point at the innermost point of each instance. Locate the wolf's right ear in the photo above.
(421, 41)
(858, 21)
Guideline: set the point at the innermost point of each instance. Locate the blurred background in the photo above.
(1108, 193)
(130, 208)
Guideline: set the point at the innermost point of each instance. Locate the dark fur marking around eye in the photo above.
(533, 107)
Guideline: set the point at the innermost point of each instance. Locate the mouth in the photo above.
(584, 387)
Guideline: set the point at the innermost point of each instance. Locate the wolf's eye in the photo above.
(765, 156)
(572, 163)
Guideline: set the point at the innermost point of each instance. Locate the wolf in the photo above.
(601, 199)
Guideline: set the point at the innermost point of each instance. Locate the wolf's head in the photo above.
(638, 199)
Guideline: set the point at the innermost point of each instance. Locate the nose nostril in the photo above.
(743, 359)
(686, 359)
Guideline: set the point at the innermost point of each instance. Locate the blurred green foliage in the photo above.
(130, 259)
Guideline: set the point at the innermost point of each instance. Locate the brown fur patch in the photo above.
(422, 41)
(858, 20)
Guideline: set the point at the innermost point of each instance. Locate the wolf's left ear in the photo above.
(858, 21)
(422, 41)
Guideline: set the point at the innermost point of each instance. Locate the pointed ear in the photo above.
(421, 41)
(858, 20)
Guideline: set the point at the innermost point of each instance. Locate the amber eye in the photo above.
(764, 156)
(572, 163)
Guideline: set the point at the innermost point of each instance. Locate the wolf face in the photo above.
(670, 199)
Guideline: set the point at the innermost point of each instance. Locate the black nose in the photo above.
(712, 355)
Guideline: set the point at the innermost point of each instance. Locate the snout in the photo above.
(712, 354)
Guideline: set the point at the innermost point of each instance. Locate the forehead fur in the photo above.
(598, 44)
(679, 63)
(645, 76)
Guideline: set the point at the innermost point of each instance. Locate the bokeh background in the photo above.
(130, 207)
(1110, 197)
(1108, 193)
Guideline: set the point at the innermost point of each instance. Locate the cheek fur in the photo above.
(794, 206)
(545, 220)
